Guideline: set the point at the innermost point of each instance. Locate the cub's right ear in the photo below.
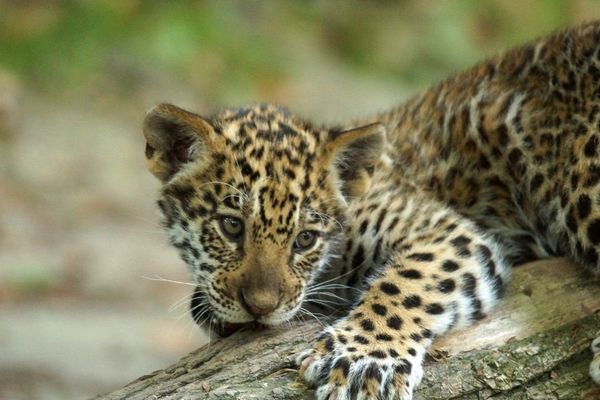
(174, 137)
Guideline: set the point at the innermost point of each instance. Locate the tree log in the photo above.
(535, 345)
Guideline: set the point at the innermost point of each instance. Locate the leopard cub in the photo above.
(411, 218)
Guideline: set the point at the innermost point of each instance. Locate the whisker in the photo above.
(329, 305)
(333, 295)
(181, 301)
(191, 310)
(307, 312)
(317, 299)
(160, 279)
(342, 275)
(331, 285)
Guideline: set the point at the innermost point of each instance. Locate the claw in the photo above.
(333, 395)
(305, 364)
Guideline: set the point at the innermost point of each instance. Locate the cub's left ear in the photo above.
(174, 137)
(354, 153)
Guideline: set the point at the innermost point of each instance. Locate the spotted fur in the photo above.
(413, 219)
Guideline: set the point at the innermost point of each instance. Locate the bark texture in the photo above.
(534, 346)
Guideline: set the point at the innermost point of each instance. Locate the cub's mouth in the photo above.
(204, 316)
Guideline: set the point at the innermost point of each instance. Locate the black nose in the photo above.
(259, 302)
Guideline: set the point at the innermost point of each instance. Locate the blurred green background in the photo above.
(81, 311)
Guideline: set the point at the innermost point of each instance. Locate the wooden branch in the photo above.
(534, 346)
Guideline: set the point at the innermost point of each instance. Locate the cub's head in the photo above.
(254, 199)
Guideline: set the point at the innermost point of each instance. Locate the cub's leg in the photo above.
(450, 276)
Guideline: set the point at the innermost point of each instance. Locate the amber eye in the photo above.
(305, 240)
(232, 227)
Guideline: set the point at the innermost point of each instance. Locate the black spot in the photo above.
(410, 274)
(469, 284)
(426, 333)
(372, 372)
(490, 268)
(498, 286)
(503, 134)
(361, 339)
(570, 220)
(325, 369)
(389, 288)
(421, 256)
(484, 252)
(380, 219)
(384, 337)
(412, 352)
(515, 156)
(446, 286)
(195, 252)
(536, 182)
(207, 267)
(394, 322)
(359, 257)
(460, 241)
(344, 364)
(363, 227)
(404, 368)
(329, 344)
(412, 302)
(484, 163)
(463, 252)
(377, 250)
(574, 180)
(476, 314)
(584, 206)
(290, 173)
(593, 177)
(594, 231)
(434, 309)
(393, 353)
(367, 325)
(379, 309)
(377, 354)
(416, 337)
(590, 147)
(247, 169)
(450, 266)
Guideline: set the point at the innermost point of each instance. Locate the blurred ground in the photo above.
(80, 248)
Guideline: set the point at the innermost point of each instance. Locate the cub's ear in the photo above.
(173, 137)
(354, 153)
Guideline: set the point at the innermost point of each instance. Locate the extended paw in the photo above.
(342, 371)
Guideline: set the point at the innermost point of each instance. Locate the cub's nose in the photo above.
(259, 302)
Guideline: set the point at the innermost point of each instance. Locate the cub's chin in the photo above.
(204, 317)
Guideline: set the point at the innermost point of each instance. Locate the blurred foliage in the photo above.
(224, 48)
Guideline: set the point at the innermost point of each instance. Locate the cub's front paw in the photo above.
(344, 366)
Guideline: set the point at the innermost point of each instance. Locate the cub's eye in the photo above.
(305, 240)
(232, 227)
